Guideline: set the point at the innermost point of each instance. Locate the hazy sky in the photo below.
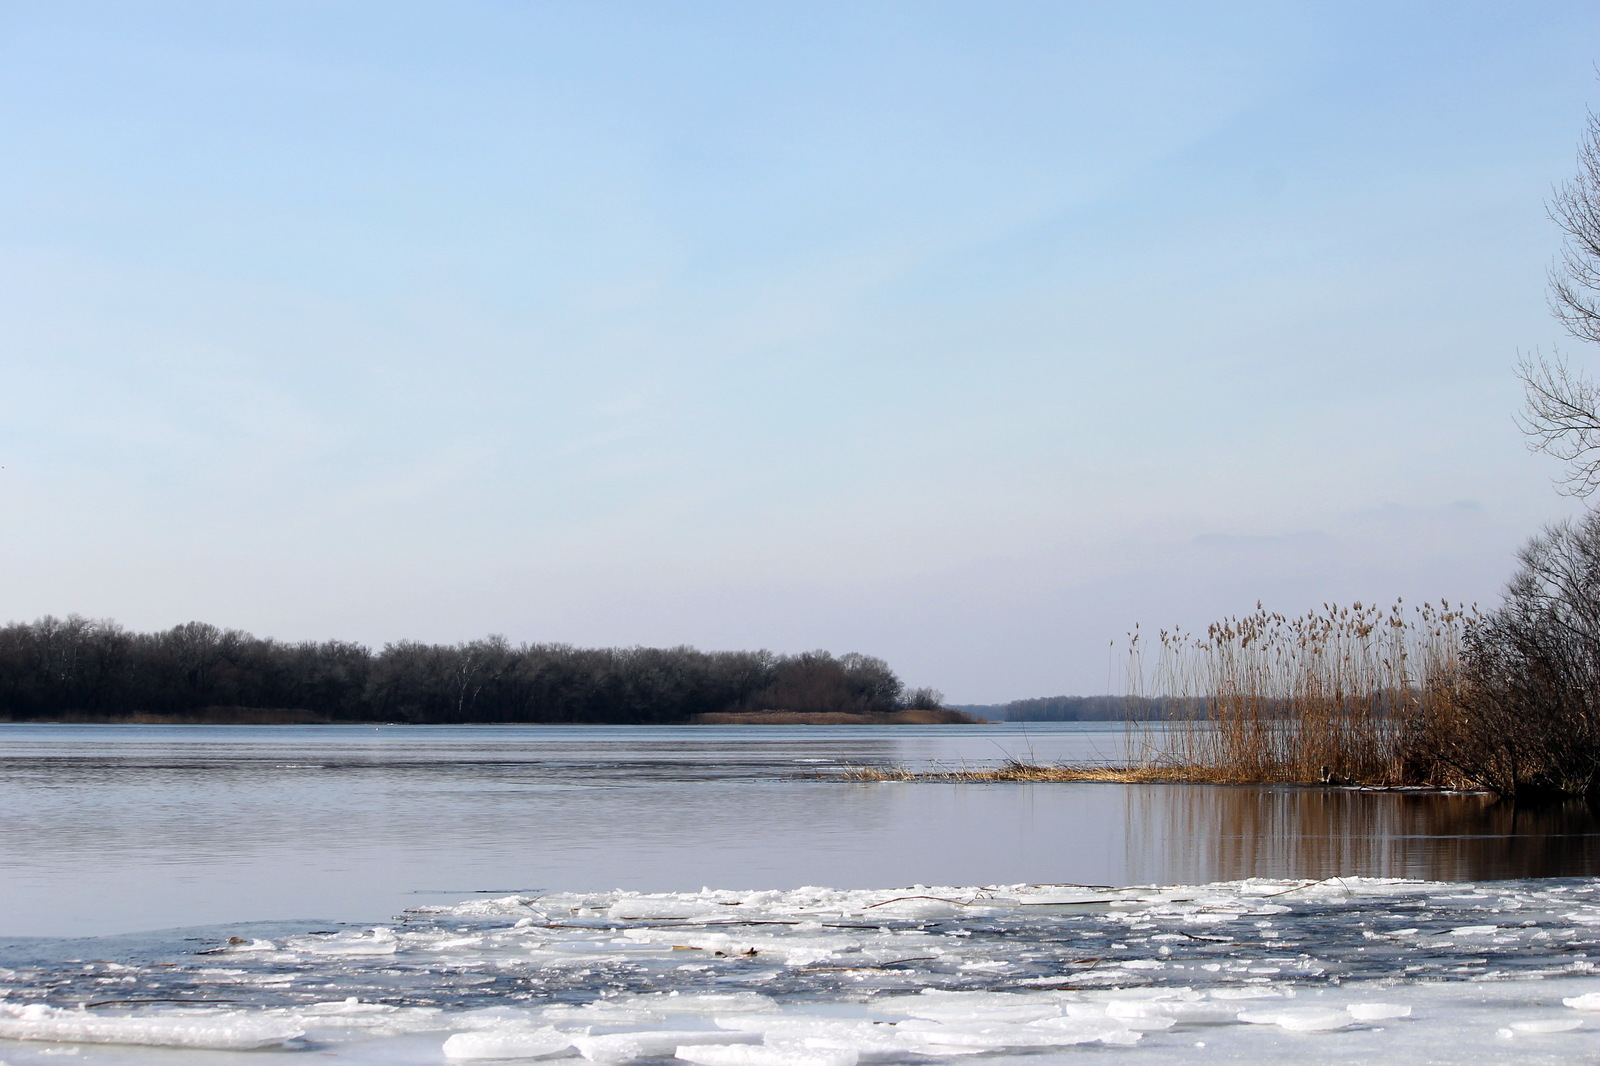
(964, 334)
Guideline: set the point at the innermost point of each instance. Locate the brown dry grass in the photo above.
(1355, 695)
(1346, 695)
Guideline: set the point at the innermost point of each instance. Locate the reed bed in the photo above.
(1359, 695)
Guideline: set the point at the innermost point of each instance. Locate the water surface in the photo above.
(109, 829)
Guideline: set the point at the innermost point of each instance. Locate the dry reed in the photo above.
(1345, 695)
(1356, 695)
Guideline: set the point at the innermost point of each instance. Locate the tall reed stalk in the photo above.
(1354, 694)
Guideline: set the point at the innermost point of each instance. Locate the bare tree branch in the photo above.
(1561, 409)
(1575, 276)
(1561, 417)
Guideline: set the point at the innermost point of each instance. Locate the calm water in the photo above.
(116, 829)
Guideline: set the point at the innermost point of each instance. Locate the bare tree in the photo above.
(1561, 417)
(1575, 276)
(1561, 410)
(1529, 714)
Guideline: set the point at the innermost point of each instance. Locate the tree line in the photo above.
(77, 667)
(1081, 709)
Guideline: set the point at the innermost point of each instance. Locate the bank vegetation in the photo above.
(80, 669)
(1437, 696)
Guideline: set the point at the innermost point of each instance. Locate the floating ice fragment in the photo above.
(983, 1012)
(1377, 1012)
(751, 1055)
(918, 907)
(1088, 1029)
(1058, 1032)
(381, 942)
(969, 1006)
(1246, 993)
(601, 1012)
(651, 1044)
(798, 1025)
(1541, 1025)
(697, 1003)
(220, 1032)
(485, 908)
(880, 1041)
(1587, 1001)
(1187, 1012)
(1063, 899)
(507, 1044)
(348, 1005)
(1141, 1022)
(659, 907)
(1473, 930)
(1299, 1019)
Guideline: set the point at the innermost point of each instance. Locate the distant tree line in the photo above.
(83, 668)
(1085, 709)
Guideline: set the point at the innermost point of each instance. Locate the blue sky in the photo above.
(964, 334)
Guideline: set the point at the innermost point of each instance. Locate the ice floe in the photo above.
(1380, 971)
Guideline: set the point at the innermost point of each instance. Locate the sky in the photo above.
(965, 334)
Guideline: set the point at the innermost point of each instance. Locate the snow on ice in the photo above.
(1376, 971)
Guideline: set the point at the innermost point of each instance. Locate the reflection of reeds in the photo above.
(1210, 834)
(1345, 695)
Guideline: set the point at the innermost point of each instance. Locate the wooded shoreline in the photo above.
(288, 716)
(80, 669)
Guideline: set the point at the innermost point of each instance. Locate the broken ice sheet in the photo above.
(1380, 971)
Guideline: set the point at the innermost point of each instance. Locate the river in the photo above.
(118, 829)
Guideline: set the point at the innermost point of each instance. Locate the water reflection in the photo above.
(108, 829)
(1225, 833)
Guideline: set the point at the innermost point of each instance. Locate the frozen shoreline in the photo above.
(1380, 971)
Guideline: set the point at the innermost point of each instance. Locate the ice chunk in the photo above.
(1587, 1001)
(861, 1042)
(796, 1024)
(1381, 1012)
(1542, 1025)
(507, 1044)
(381, 941)
(348, 1005)
(1012, 1036)
(1246, 993)
(1097, 1024)
(658, 907)
(216, 1032)
(698, 1002)
(958, 1012)
(1187, 1012)
(751, 1055)
(486, 908)
(917, 907)
(1299, 1019)
(601, 1012)
(651, 1044)
(970, 1006)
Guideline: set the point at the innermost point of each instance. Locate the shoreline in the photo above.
(941, 716)
(290, 716)
(1125, 775)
